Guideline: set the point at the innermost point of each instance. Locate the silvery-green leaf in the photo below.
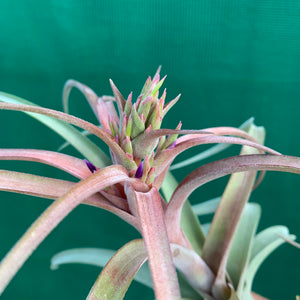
(119, 272)
(207, 207)
(264, 244)
(73, 136)
(239, 252)
(96, 257)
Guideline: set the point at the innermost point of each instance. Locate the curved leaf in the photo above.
(189, 221)
(89, 94)
(97, 257)
(90, 256)
(211, 151)
(33, 185)
(264, 244)
(102, 107)
(53, 215)
(80, 142)
(117, 275)
(148, 139)
(100, 257)
(221, 131)
(206, 207)
(54, 188)
(166, 157)
(103, 135)
(223, 227)
(266, 237)
(219, 169)
(201, 156)
(75, 166)
(239, 253)
(66, 144)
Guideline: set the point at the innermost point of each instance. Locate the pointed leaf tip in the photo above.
(157, 72)
(118, 96)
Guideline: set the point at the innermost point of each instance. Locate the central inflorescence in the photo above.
(135, 120)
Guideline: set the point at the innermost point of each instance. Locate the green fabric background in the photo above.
(230, 60)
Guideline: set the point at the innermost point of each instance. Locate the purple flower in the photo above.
(139, 171)
(91, 167)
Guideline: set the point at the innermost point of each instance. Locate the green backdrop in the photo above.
(230, 60)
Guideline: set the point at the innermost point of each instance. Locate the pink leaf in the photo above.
(165, 158)
(219, 169)
(53, 215)
(103, 135)
(223, 227)
(33, 185)
(89, 94)
(106, 111)
(222, 131)
(51, 188)
(75, 166)
(145, 142)
(119, 98)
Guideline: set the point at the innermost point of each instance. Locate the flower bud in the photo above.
(137, 124)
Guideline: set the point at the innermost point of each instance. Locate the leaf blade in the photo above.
(166, 157)
(240, 249)
(52, 216)
(89, 94)
(211, 151)
(228, 214)
(219, 169)
(100, 133)
(269, 241)
(72, 165)
(33, 185)
(117, 275)
(80, 142)
(97, 257)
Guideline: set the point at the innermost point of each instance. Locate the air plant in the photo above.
(183, 260)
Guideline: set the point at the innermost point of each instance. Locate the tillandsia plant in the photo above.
(184, 262)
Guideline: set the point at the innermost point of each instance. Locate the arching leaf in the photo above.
(79, 141)
(119, 272)
(53, 215)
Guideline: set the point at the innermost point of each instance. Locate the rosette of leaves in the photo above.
(183, 261)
